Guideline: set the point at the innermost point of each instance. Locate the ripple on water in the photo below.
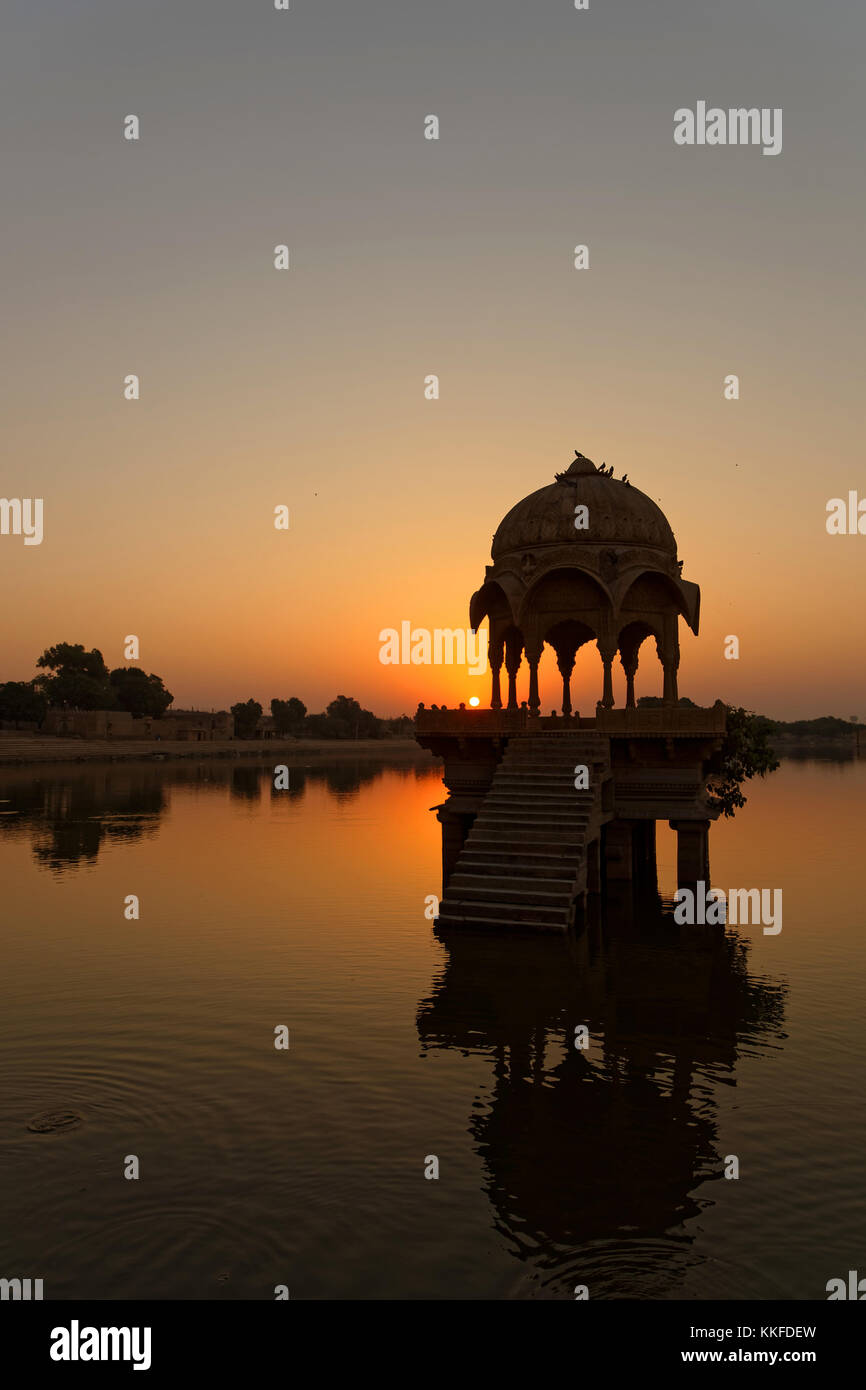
(54, 1121)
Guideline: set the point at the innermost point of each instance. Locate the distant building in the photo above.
(175, 726)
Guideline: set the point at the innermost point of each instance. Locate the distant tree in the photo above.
(403, 726)
(288, 715)
(745, 753)
(140, 693)
(66, 656)
(826, 726)
(74, 690)
(79, 678)
(247, 715)
(344, 718)
(654, 701)
(21, 702)
(349, 720)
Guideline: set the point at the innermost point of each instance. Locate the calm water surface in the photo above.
(305, 1167)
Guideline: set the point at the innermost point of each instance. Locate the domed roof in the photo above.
(618, 513)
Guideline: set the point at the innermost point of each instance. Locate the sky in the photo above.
(411, 257)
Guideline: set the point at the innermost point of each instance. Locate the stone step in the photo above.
(470, 922)
(495, 840)
(531, 815)
(514, 912)
(534, 834)
(545, 763)
(516, 865)
(564, 807)
(514, 773)
(559, 794)
(544, 737)
(558, 857)
(554, 893)
(542, 773)
(518, 818)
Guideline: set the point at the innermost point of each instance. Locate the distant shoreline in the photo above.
(30, 749)
(36, 749)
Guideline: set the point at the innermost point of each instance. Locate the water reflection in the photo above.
(68, 818)
(69, 813)
(595, 1159)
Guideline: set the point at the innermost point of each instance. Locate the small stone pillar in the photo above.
(693, 852)
(455, 827)
(533, 656)
(629, 665)
(644, 866)
(513, 658)
(618, 850)
(494, 656)
(565, 661)
(607, 651)
(593, 867)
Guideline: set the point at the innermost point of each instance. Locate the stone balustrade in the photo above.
(661, 721)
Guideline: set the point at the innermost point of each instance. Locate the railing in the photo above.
(471, 721)
(661, 721)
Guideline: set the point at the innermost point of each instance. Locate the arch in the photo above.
(629, 640)
(651, 592)
(566, 637)
(490, 601)
(565, 593)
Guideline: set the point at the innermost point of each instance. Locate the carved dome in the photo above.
(618, 513)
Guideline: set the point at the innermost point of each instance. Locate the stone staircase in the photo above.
(524, 862)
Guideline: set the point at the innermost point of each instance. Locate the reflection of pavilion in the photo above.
(586, 558)
(609, 1144)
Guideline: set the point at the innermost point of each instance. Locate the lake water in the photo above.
(305, 1167)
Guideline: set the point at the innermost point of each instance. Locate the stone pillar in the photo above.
(455, 827)
(513, 658)
(644, 866)
(593, 867)
(693, 852)
(533, 656)
(565, 661)
(669, 691)
(608, 652)
(669, 656)
(618, 850)
(494, 656)
(629, 665)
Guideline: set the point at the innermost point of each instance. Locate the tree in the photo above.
(66, 656)
(22, 703)
(288, 715)
(402, 726)
(344, 718)
(348, 720)
(745, 753)
(655, 701)
(79, 679)
(247, 716)
(140, 693)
